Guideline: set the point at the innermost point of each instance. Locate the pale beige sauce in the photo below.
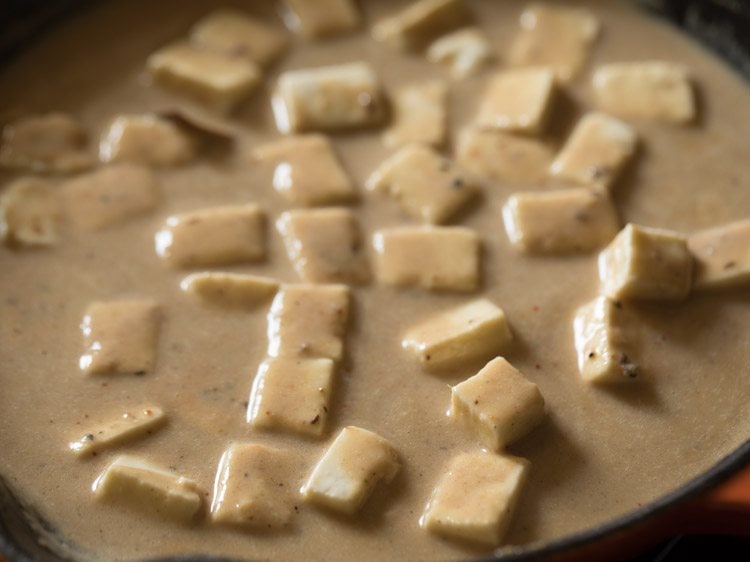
(600, 453)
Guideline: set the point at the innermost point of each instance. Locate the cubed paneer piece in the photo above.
(660, 91)
(556, 36)
(343, 96)
(215, 236)
(231, 290)
(307, 171)
(213, 79)
(128, 426)
(322, 18)
(145, 139)
(120, 337)
(255, 487)
(464, 51)
(560, 221)
(292, 394)
(356, 462)
(476, 498)
(419, 115)
(139, 484)
(596, 151)
(505, 158)
(518, 100)
(110, 196)
(602, 342)
(324, 245)
(475, 331)
(722, 256)
(644, 263)
(237, 34)
(428, 186)
(309, 321)
(415, 25)
(29, 213)
(498, 404)
(54, 142)
(435, 258)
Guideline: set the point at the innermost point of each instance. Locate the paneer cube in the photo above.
(419, 115)
(498, 404)
(427, 185)
(434, 258)
(324, 245)
(344, 96)
(139, 484)
(464, 52)
(560, 221)
(29, 213)
(292, 394)
(231, 290)
(602, 342)
(557, 36)
(645, 263)
(129, 426)
(315, 19)
(255, 487)
(215, 236)
(518, 100)
(722, 256)
(307, 171)
(475, 331)
(145, 139)
(660, 91)
(120, 337)
(356, 462)
(476, 498)
(415, 25)
(218, 81)
(309, 321)
(110, 196)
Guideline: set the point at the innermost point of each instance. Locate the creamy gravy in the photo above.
(599, 453)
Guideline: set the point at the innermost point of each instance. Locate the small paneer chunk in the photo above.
(215, 236)
(292, 394)
(120, 337)
(343, 96)
(110, 196)
(597, 150)
(255, 487)
(237, 34)
(475, 331)
(427, 185)
(498, 404)
(145, 139)
(722, 256)
(518, 100)
(315, 19)
(29, 213)
(419, 115)
(324, 245)
(464, 52)
(136, 483)
(230, 290)
(218, 81)
(415, 25)
(660, 91)
(309, 321)
(53, 142)
(560, 221)
(476, 498)
(602, 342)
(556, 36)
(644, 263)
(307, 171)
(433, 258)
(129, 426)
(356, 462)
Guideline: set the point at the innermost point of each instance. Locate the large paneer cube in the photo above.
(145, 139)
(645, 263)
(230, 290)
(498, 404)
(419, 115)
(322, 18)
(464, 51)
(126, 427)
(30, 213)
(722, 256)
(419, 22)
